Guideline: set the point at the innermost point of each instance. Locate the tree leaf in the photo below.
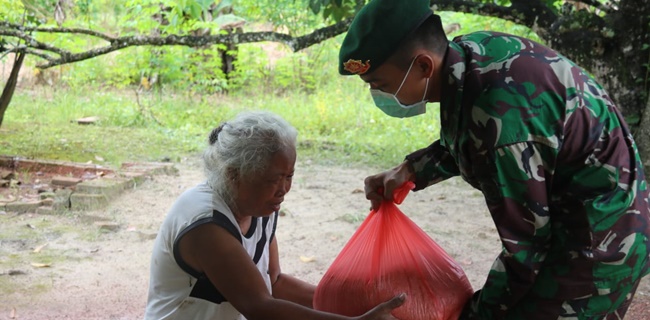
(315, 5)
(223, 4)
(226, 19)
(195, 11)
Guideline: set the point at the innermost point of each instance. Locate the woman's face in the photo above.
(262, 194)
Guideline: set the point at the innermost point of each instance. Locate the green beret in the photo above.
(376, 32)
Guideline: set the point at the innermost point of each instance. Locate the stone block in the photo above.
(109, 187)
(48, 202)
(107, 226)
(22, 207)
(46, 195)
(136, 177)
(45, 210)
(7, 174)
(65, 181)
(151, 168)
(84, 201)
(62, 199)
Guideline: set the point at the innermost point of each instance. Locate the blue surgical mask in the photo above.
(390, 105)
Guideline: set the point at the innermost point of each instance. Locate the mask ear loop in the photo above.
(426, 88)
(405, 76)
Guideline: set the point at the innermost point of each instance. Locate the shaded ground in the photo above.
(82, 272)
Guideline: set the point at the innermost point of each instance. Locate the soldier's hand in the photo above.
(380, 187)
(383, 310)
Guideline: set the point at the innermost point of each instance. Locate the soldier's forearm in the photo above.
(432, 165)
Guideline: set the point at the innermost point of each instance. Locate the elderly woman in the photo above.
(216, 255)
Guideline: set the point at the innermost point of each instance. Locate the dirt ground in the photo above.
(65, 267)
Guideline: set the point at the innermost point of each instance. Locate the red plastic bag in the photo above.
(389, 254)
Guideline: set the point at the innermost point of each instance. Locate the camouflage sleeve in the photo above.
(432, 165)
(514, 182)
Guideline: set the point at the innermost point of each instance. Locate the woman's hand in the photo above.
(387, 181)
(383, 310)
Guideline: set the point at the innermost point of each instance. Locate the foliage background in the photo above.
(334, 115)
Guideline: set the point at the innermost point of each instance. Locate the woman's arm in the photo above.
(212, 250)
(285, 286)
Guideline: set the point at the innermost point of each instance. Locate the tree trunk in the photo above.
(10, 86)
(614, 48)
(228, 55)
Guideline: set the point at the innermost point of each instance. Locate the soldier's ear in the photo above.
(426, 65)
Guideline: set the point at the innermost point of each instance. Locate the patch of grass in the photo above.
(353, 218)
(337, 123)
(13, 284)
(72, 142)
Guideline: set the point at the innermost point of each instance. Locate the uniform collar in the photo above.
(454, 68)
(454, 71)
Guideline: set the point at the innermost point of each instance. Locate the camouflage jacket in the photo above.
(559, 171)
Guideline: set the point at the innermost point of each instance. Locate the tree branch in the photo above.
(58, 30)
(295, 43)
(528, 13)
(39, 54)
(598, 5)
(33, 43)
(321, 35)
(27, 50)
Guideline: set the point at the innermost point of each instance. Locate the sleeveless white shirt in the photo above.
(176, 291)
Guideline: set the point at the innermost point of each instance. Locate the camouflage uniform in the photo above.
(560, 173)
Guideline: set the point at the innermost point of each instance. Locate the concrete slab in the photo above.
(151, 168)
(82, 201)
(47, 195)
(45, 210)
(22, 207)
(62, 199)
(65, 181)
(109, 187)
(79, 186)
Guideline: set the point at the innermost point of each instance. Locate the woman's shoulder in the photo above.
(199, 191)
(193, 201)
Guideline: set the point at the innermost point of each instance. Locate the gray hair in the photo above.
(244, 145)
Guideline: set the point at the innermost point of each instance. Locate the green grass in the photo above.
(337, 123)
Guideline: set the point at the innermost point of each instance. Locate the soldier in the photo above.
(542, 140)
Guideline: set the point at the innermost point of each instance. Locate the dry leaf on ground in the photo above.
(39, 248)
(307, 259)
(40, 265)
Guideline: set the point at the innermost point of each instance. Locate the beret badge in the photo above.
(356, 66)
